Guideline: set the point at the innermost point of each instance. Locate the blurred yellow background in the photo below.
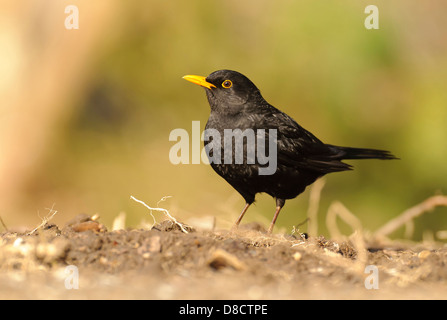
(85, 114)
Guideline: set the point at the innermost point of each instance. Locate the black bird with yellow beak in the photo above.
(301, 158)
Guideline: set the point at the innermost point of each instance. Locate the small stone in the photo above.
(424, 254)
(88, 225)
(297, 256)
(222, 259)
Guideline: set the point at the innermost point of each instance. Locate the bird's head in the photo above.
(226, 88)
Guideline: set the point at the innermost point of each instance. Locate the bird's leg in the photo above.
(279, 204)
(272, 224)
(236, 224)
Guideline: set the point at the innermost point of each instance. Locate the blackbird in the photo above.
(301, 158)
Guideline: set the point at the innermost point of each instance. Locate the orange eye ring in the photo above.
(227, 84)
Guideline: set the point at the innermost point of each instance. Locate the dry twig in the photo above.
(166, 212)
(45, 220)
(357, 237)
(314, 201)
(3, 224)
(406, 218)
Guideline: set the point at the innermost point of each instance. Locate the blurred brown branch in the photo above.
(408, 215)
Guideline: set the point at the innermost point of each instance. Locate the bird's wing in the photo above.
(298, 148)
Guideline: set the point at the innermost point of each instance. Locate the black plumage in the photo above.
(236, 103)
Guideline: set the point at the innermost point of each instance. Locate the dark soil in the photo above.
(166, 263)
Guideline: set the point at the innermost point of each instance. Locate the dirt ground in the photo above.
(83, 260)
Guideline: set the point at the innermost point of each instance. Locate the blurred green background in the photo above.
(116, 90)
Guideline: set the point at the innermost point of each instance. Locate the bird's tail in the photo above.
(362, 153)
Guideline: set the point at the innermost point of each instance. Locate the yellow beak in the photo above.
(201, 81)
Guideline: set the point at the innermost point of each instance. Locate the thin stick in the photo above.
(409, 214)
(338, 209)
(166, 212)
(314, 202)
(3, 224)
(357, 238)
(45, 220)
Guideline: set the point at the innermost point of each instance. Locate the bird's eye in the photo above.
(227, 84)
